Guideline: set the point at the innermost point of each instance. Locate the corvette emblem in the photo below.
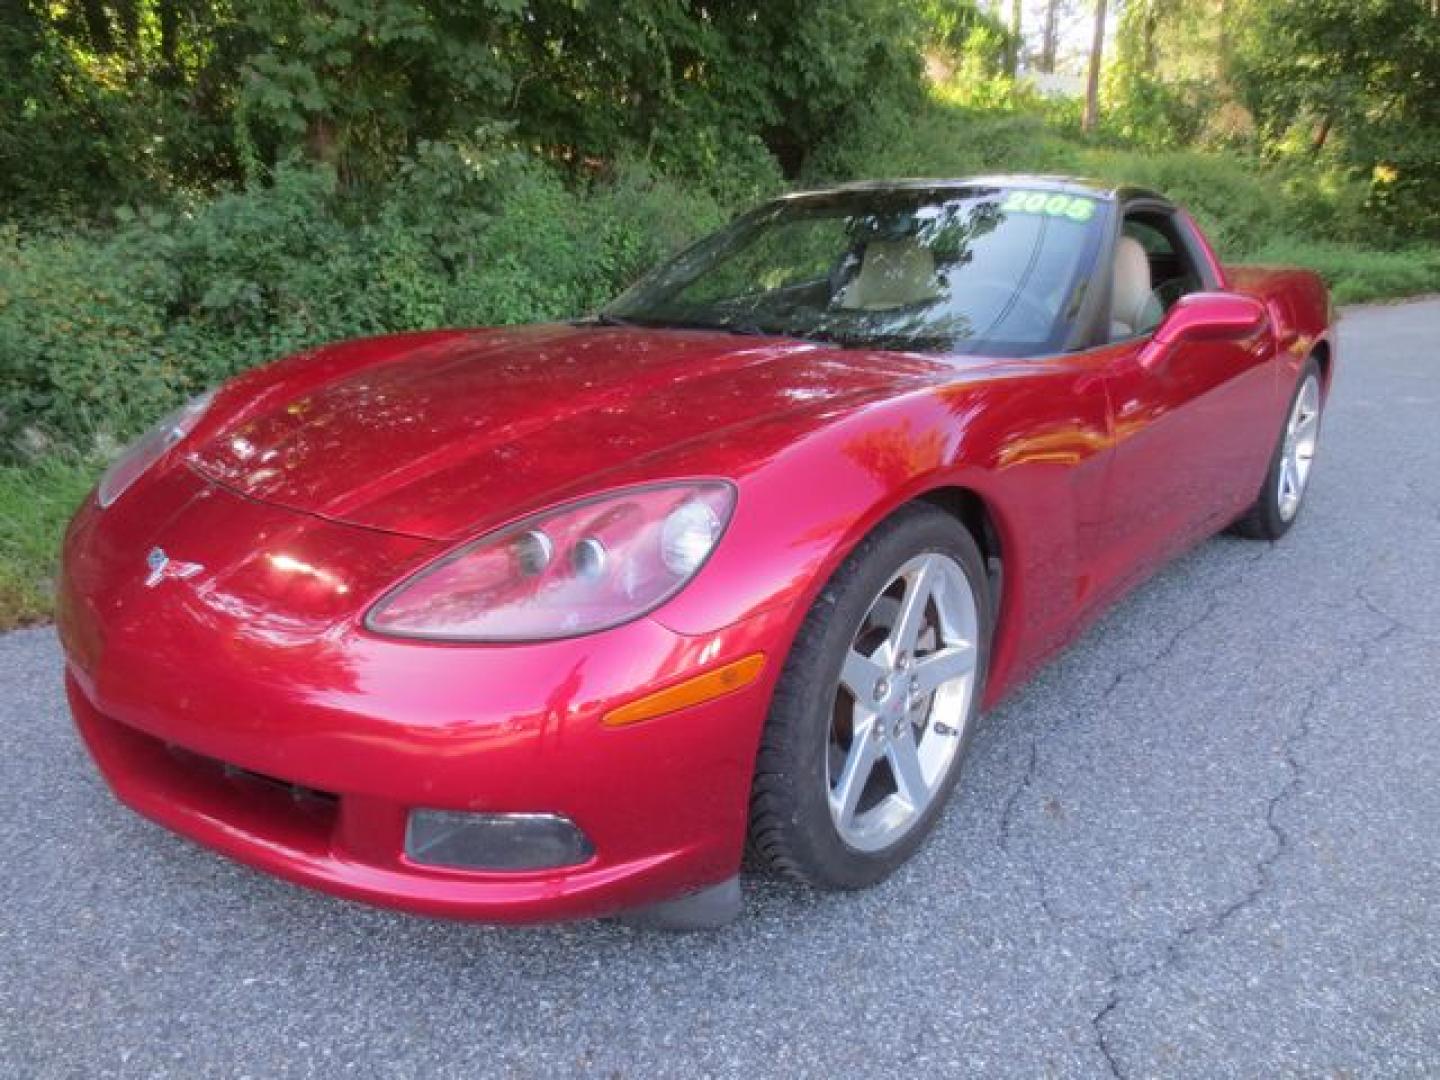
(162, 567)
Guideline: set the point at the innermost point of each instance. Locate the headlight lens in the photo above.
(150, 448)
(579, 568)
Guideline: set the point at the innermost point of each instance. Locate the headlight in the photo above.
(573, 570)
(150, 448)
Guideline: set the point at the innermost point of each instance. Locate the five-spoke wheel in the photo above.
(1302, 435)
(1278, 503)
(902, 702)
(876, 704)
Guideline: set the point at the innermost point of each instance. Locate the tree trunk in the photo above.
(1222, 18)
(1016, 40)
(1322, 134)
(97, 22)
(321, 141)
(1149, 25)
(169, 38)
(1092, 82)
(128, 13)
(1050, 42)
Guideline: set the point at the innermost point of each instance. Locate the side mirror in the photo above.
(1211, 316)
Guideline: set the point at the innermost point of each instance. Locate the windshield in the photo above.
(972, 270)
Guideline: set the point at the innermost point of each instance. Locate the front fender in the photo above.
(1030, 441)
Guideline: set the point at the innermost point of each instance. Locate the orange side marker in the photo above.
(713, 684)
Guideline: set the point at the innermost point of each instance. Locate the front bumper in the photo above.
(269, 728)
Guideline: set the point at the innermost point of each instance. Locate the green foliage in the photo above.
(938, 139)
(1155, 113)
(1342, 88)
(1237, 206)
(1242, 204)
(968, 34)
(82, 342)
(411, 163)
(1367, 71)
(105, 104)
(130, 101)
(1359, 274)
(1165, 81)
(357, 82)
(36, 500)
(101, 331)
(151, 102)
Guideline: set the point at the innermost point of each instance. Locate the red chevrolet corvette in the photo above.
(550, 621)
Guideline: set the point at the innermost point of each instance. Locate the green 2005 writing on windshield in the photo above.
(1074, 207)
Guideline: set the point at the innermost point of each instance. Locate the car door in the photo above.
(1190, 416)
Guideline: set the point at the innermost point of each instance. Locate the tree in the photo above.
(1050, 37)
(103, 102)
(1092, 82)
(1358, 80)
(1017, 40)
(141, 98)
(971, 37)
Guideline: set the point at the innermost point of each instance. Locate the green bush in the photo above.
(83, 342)
(940, 140)
(100, 332)
(1357, 274)
(1242, 204)
(35, 502)
(1237, 206)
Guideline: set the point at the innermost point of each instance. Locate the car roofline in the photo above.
(1070, 185)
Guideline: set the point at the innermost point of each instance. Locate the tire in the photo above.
(913, 737)
(1282, 495)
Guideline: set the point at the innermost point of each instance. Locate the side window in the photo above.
(1172, 273)
(1153, 269)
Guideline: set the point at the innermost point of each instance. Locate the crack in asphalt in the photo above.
(1032, 769)
(1010, 811)
(1098, 1023)
(1397, 625)
(1122, 976)
(1290, 745)
(1011, 808)
(1214, 922)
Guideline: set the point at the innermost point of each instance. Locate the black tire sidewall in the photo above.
(801, 719)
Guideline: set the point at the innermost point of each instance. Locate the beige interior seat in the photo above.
(1134, 308)
(893, 273)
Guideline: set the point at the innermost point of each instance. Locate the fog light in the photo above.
(494, 841)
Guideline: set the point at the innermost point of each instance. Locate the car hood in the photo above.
(437, 435)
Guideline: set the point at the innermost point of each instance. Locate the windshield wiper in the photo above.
(604, 318)
(748, 329)
(745, 328)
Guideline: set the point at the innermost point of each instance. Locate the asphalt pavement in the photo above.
(1204, 842)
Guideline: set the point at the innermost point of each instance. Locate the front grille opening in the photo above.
(299, 794)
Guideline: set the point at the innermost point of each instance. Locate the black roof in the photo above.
(1069, 184)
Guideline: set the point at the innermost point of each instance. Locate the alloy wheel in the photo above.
(1302, 435)
(902, 702)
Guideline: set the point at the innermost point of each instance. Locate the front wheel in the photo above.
(1278, 504)
(876, 705)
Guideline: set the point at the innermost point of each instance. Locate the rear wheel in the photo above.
(875, 706)
(1279, 501)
